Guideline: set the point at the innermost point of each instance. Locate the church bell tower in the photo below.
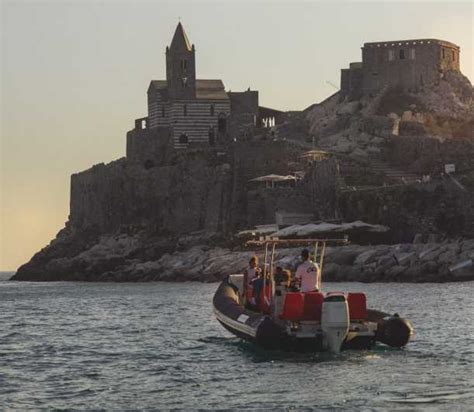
(181, 66)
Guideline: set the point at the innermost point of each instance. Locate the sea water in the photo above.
(158, 346)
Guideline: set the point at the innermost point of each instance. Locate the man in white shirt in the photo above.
(308, 273)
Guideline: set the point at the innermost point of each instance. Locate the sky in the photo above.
(74, 76)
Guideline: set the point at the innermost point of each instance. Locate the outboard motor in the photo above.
(394, 331)
(334, 321)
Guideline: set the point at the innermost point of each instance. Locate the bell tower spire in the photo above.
(181, 66)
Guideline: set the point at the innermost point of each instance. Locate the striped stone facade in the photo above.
(196, 111)
(197, 121)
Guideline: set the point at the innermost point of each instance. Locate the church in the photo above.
(186, 112)
(197, 110)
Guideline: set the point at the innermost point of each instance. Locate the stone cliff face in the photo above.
(179, 198)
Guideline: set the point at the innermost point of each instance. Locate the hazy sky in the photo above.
(75, 75)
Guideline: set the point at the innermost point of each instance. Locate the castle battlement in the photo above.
(416, 42)
(407, 64)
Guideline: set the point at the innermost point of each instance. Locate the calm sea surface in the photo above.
(158, 346)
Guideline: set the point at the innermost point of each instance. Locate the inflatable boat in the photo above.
(288, 319)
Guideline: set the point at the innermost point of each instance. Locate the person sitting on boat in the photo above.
(282, 277)
(252, 276)
(308, 273)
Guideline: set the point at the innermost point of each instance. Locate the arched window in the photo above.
(184, 65)
(212, 110)
(402, 54)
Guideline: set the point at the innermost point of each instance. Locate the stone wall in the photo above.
(263, 203)
(439, 207)
(321, 183)
(185, 197)
(425, 155)
(252, 159)
(352, 81)
(150, 146)
(408, 64)
(177, 192)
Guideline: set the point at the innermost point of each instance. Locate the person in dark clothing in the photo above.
(282, 277)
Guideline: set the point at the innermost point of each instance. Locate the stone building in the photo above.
(409, 64)
(196, 110)
(186, 112)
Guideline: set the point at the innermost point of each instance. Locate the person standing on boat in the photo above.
(252, 278)
(308, 273)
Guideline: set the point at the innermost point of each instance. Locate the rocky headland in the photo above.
(161, 214)
(123, 258)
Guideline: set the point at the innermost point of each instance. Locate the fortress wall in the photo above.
(170, 199)
(425, 155)
(424, 208)
(409, 64)
(252, 159)
(148, 145)
(321, 183)
(263, 203)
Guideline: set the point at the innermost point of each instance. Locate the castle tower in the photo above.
(181, 66)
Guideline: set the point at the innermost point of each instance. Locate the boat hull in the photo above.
(262, 330)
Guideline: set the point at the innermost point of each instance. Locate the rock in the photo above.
(364, 257)
(358, 153)
(433, 238)
(377, 141)
(372, 150)
(418, 239)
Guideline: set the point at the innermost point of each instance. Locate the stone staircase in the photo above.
(392, 174)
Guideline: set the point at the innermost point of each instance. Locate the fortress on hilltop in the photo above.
(408, 64)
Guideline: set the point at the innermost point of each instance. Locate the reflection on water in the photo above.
(158, 346)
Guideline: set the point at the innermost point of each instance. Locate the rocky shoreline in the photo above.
(122, 258)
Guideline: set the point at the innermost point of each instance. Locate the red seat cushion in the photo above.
(313, 304)
(293, 306)
(357, 306)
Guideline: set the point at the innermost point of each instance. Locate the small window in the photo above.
(412, 54)
(185, 110)
(212, 110)
(443, 53)
(183, 139)
(163, 111)
(212, 136)
(184, 65)
(402, 54)
(184, 82)
(391, 55)
(454, 55)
